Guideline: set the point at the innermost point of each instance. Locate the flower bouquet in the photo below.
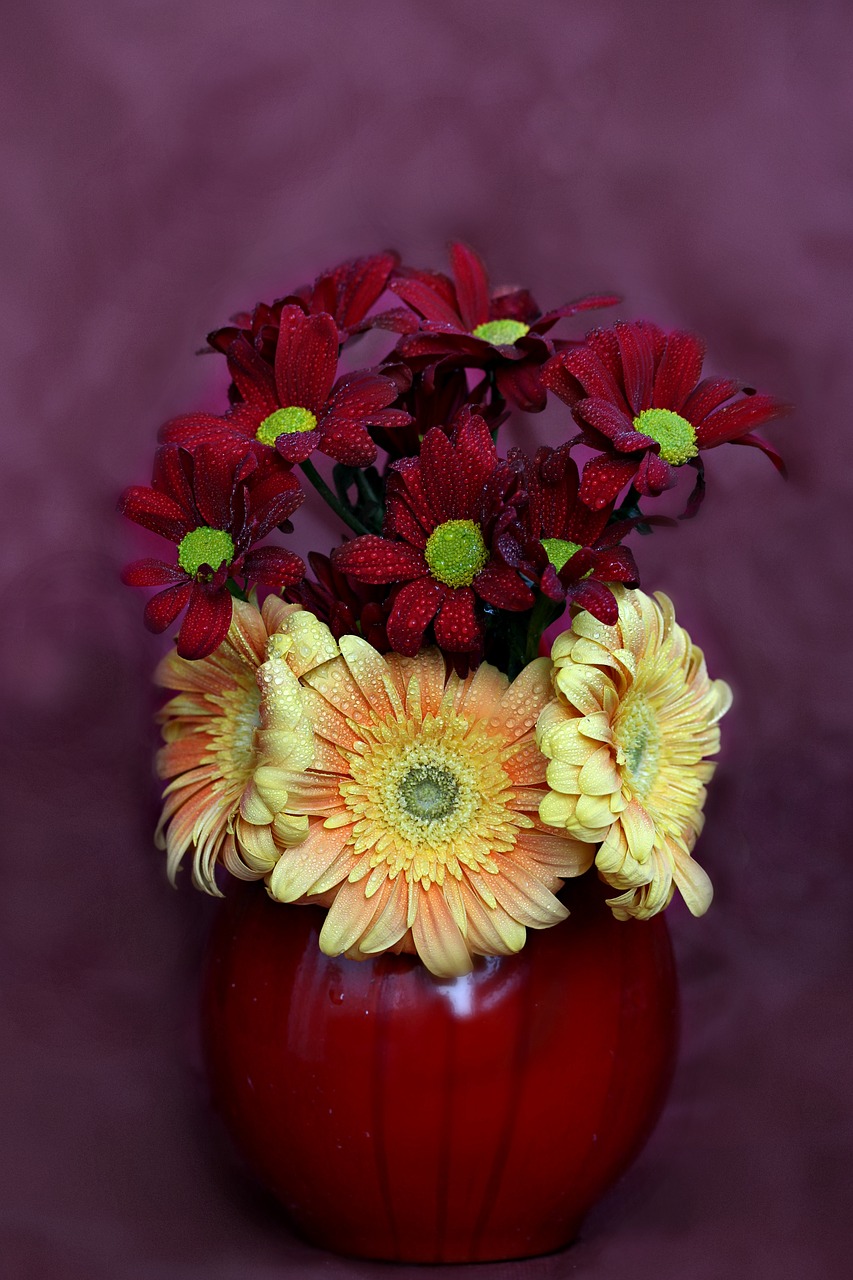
(465, 1027)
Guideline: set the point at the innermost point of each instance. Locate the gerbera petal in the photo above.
(152, 573)
(437, 937)
(502, 587)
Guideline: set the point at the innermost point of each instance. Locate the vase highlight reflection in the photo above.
(403, 1117)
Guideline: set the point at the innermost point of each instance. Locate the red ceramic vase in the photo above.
(403, 1117)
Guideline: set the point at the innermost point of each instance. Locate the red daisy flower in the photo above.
(445, 509)
(214, 505)
(569, 551)
(348, 607)
(346, 292)
(295, 404)
(637, 395)
(464, 322)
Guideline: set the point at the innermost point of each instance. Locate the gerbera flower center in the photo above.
(285, 422)
(205, 546)
(559, 551)
(455, 552)
(429, 792)
(674, 434)
(501, 333)
(637, 738)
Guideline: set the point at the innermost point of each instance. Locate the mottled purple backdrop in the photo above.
(167, 164)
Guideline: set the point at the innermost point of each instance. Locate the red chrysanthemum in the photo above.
(295, 404)
(463, 322)
(637, 395)
(445, 509)
(214, 504)
(348, 607)
(569, 551)
(346, 292)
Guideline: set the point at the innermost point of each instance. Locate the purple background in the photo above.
(168, 164)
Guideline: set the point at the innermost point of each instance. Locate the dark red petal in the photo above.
(306, 358)
(206, 623)
(616, 564)
(710, 393)
(637, 352)
(735, 420)
(501, 586)
(427, 301)
(155, 511)
(359, 394)
(296, 446)
(443, 486)
(378, 560)
(654, 475)
(475, 461)
(215, 480)
(161, 610)
(273, 566)
(587, 367)
(200, 428)
(472, 285)
(597, 600)
(457, 627)
(361, 282)
(550, 584)
(400, 522)
(414, 608)
(758, 442)
(253, 377)
(603, 478)
(348, 443)
(521, 384)
(610, 421)
(397, 320)
(152, 573)
(679, 371)
(172, 474)
(593, 302)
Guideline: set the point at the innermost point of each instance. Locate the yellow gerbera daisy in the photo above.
(422, 807)
(237, 723)
(627, 736)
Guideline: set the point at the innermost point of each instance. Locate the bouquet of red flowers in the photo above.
(378, 733)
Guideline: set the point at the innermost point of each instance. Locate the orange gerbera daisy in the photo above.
(422, 809)
(627, 736)
(237, 724)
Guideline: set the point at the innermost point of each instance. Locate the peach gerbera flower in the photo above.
(422, 807)
(627, 736)
(237, 723)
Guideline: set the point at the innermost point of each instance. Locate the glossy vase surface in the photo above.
(399, 1116)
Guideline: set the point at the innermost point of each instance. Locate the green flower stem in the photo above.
(328, 496)
(544, 612)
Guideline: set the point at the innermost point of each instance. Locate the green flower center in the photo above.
(205, 546)
(456, 552)
(428, 792)
(559, 551)
(501, 333)
(674, 434)
(638, 737)
(285, 422)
